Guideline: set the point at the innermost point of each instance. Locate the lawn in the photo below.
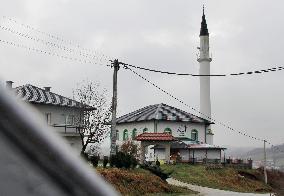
(140, 182)
(224, 178)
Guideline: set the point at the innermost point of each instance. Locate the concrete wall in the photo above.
(184, 153)
(176, 127)
(160, 154)
(59, 115)
(62, 115)
(137, 125)
(201, 154)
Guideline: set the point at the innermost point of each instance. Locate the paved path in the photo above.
(204, 191)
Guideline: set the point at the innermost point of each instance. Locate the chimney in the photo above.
(9, 84)
(47, 88)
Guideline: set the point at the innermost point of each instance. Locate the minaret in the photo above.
(204, 62)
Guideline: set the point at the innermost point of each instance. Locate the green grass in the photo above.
(225, 178)
(134, 182)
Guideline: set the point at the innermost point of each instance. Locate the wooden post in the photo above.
(264, 164)
(114, 105)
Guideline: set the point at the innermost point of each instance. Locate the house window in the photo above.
(194, 135)
(168, 130)
(145, 130)
(134, 133)
(71, 120)
(117, 135)
(125, 134)
(48, 118)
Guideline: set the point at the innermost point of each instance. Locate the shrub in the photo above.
(95, 160)
(129, 147)
(158, 163)
(134, 162)
(105, 161)
(157, 171)
(123, 160)
(112, 160)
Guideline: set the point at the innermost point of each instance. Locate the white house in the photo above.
(60, 112)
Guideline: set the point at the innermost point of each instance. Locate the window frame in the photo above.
(168, 130)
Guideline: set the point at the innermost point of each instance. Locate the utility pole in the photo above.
(264, 164)
(115, 65)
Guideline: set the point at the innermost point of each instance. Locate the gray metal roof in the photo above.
(38, 95)
(160, 112)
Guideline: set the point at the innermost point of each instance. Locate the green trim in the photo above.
(145, 130)
(134, 133)
(168, 130)
(125, 134)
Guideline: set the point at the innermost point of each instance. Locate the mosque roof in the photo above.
(161, 112)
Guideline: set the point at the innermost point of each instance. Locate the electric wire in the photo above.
(55, 37)
(280, 68)
(51, 53)
(48, 43)
(192, 108)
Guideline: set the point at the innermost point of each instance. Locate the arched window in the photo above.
(194, 135)
(145, 130)
(117, 135)
(134, 133)
(125, 134)
(168, 130)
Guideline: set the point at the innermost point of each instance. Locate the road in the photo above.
(205, 191)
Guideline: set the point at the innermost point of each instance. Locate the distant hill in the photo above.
(257, 153)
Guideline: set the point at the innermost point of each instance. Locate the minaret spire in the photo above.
(203, 29)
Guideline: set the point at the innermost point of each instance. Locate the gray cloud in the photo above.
(244, 36)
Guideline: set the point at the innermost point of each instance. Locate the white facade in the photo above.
(59, 116)
(178, 129)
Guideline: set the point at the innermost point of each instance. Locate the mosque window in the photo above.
(134, 133)
(194, 135)
(125, 134)
(168, 130)
(145, 130)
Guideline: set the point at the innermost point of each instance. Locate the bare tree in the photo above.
(95, 113)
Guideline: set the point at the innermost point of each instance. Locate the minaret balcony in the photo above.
(208, 59)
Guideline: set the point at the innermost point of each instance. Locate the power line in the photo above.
(182, 102)
(50, 53)
(58, 38)
(280, 68)
(52, 36)
(48, 43)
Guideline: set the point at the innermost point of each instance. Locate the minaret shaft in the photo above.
(204, 62)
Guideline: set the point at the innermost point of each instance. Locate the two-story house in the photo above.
(61, 113)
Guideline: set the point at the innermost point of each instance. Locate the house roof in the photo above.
(160, 112)
(155, 137)
(38, 95)
(182, 145)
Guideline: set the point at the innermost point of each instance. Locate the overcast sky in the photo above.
(162, 34)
